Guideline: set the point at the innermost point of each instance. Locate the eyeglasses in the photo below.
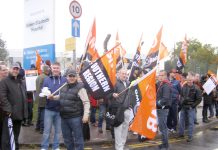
(71, 76)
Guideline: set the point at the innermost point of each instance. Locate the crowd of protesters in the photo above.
(71, 108)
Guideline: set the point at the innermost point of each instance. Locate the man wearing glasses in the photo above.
(13, 103)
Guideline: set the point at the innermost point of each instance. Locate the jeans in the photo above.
(172, 117)
(121, 132)
(204, 111)
(40, 118)
(73, 133)
(92, 115)
(211, 107)
(102, 109)
(191, 113)
(162, 123)
(51, 118)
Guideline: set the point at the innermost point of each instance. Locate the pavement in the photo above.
(29, 137)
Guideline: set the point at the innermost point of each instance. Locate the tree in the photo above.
(3, 51)
(200, 57)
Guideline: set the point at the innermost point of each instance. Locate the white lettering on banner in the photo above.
(152, 121)
(90, 80)
(100, 76)
(137, 96)
(149, 60)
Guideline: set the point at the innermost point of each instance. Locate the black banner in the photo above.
(96, 80)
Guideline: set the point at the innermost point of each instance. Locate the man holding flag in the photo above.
(118, 98)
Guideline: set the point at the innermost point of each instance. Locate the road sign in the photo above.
(70, 44)
(75, 28)
(75, 9)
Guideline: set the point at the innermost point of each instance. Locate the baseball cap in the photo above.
(71, 72)
(15, 65)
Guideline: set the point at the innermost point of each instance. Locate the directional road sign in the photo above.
(75, 28)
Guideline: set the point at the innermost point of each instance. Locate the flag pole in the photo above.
(123, 91)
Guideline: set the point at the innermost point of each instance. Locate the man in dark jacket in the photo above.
(163, 102)
(13, 102)
(3, 74)
(173, 110)
(52, 108)
(116, 100)
(74, 111)
(190, 98)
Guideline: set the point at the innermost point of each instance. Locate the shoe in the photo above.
(37, 129)
(100, 130)
(210, 116)
(94, 124)
(206, 121)
(25, 124)
(180, 136)
(173, 131)
(163, 147)
(196, 123)
(30, 124)
(189, 140)
(108, 128)
(41, 131)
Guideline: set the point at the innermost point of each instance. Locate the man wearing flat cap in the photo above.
(74, 111)
(13, 103)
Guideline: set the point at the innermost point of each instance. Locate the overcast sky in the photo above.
(196, 18)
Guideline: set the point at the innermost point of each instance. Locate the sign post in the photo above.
(76, 11)
(70, 45)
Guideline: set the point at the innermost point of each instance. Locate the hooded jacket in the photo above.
(53, 83)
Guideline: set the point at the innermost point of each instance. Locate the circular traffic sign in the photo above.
(75, 9)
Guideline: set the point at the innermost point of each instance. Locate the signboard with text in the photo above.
(38, 30)
(30, 76)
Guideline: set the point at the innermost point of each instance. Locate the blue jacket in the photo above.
(53, 83)
(176, 90)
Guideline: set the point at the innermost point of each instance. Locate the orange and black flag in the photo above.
(99, 78)
(91, 54)
(152, 57)
(119, 53)
(182, 55)
(163, 51)
(145, 117)
(136, 60)
(38, 62)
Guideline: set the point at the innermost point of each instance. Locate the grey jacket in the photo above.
(119, 87)
(39, 82)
